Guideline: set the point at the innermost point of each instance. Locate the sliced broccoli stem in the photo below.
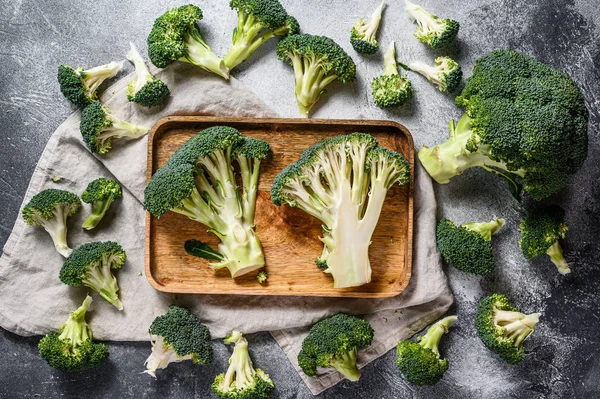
(200, 54)
(76, 329)
(431, 339)
(250, 171)
(100, 278)
(94, 77)
(240, 368)
(390, 65)
(431, 73)
(142, 73)
(57, 228)
(555, 253)
(196, 208)
(99, 209)
(310, 81)
(517, 325)
(426, 21)
(485, 229)
(120, 129)
(345, 363)
(240, 248)
(245, 40)
(162, 355)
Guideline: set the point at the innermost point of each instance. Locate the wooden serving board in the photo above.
(288, 235)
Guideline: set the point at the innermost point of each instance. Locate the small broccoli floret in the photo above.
(100, 193)
(79, 86)
(432, 31)
(98, 128)
(502, 328)
(334, 343)
(72, 349)
(446, 74)
(175, 37)
(363, 34)
(145, 90)
(176, 336)
(392, 88)
(317, 61)
(420, 361)
(242, 380)
(541, 232)
(262, 277)
(50, 209)
(90, 265)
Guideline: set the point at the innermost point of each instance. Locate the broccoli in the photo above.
(242, 380)
(317, 61)
(72, 349)
(343, 182)
(79, 86)
(258, 21)
(524, 121)
(175, 37)
(145, 90)
(420, 361)
(446, 74)
(468, 247)
(199, 182)
(98, 128)
(502, 328)
(100, 193)
(50, 209)
(90, 265)
(177, 336)
(363, 34)
(432, 31)
(334, 343)
(391, 88)
(262, 277)
(540, 235)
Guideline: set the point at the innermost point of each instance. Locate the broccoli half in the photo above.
(50, 209)
(98, 128)
(363, 34)
(431, 30)
(242, 380)
(392, 88)
(199, 182)
(79, 86)
(446, 74)
(334, 343)
(90, 265)
(100, 193)
(502, 328)
(468, 247)
(175, 37)
(177, 336)
(317, 61)
(343, 182)
(540, 235)
(524, 121)
(258, 21)
(72, 349)
(145, 90)
(420, 361)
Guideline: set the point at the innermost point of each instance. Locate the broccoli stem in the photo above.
(200, 54)
(100, 279)
(426, 21)
(485, 229)
(390, 66)
(142, 75)
(94, 77)
(245, 40)
(345, 363)
(241, 250)
(250, 171)
(431, 339)
(555, 253)
(120, 129)
(517, 325)
(310, 81)
(75, 329)
(162, 355)
(99, 208)
(240, 368)
(57, 228)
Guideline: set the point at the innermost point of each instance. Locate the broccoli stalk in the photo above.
(555, 252)
(446, 74)
(79, 86)
(432, 31)
(145, 90)
(363, 34)
(391, 88)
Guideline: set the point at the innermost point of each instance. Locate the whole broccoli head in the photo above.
(431, 30)
(392, 88)
(79, 86)
(363, 34)
(446, 74)
(145, 90)
(100, 193)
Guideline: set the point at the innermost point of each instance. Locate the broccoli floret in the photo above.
(363, 34)
(317, 61)
(199, 182)
(524, 121)
(100, 193)
(446, 74)
(72, 349)
(540, 235)
(343, 182)
(79, 86)
(420, 361)
(50, 209)
(502, 328)
(175, 37)
(98, 128)
(242, 380)
(145, 90)
(262, 277)
(468, 247)
(90, 265)
(258, 21)
(392, 88)
(334, 343)
(176, 336)
(431, 30)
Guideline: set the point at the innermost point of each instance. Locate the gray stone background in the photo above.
(563, 355)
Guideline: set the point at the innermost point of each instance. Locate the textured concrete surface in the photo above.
(563, 354)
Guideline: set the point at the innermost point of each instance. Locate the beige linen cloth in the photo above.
(33, 300)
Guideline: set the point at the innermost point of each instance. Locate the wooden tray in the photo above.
(288, 235)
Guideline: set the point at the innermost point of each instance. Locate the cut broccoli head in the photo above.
(392, 88)
(100, 193)
(90, 265)
(317, 61)
(145, 90)
(72, 349)
(50, 209)
(446, 74)
(431, 30)
(79, 86)
(420, 361)
(334, 343)
(502, 328)
(363, 35)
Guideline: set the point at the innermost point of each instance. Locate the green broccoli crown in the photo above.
(169, 187)
(391, 90)
(252, 148)
(102, 189)
(71, 85)
(93, 121)
(79, 265)
(206, 142)
(43, 205)
(450, 74)
(542, 229)
(431, 30)
(151, 94)
(269, 13)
